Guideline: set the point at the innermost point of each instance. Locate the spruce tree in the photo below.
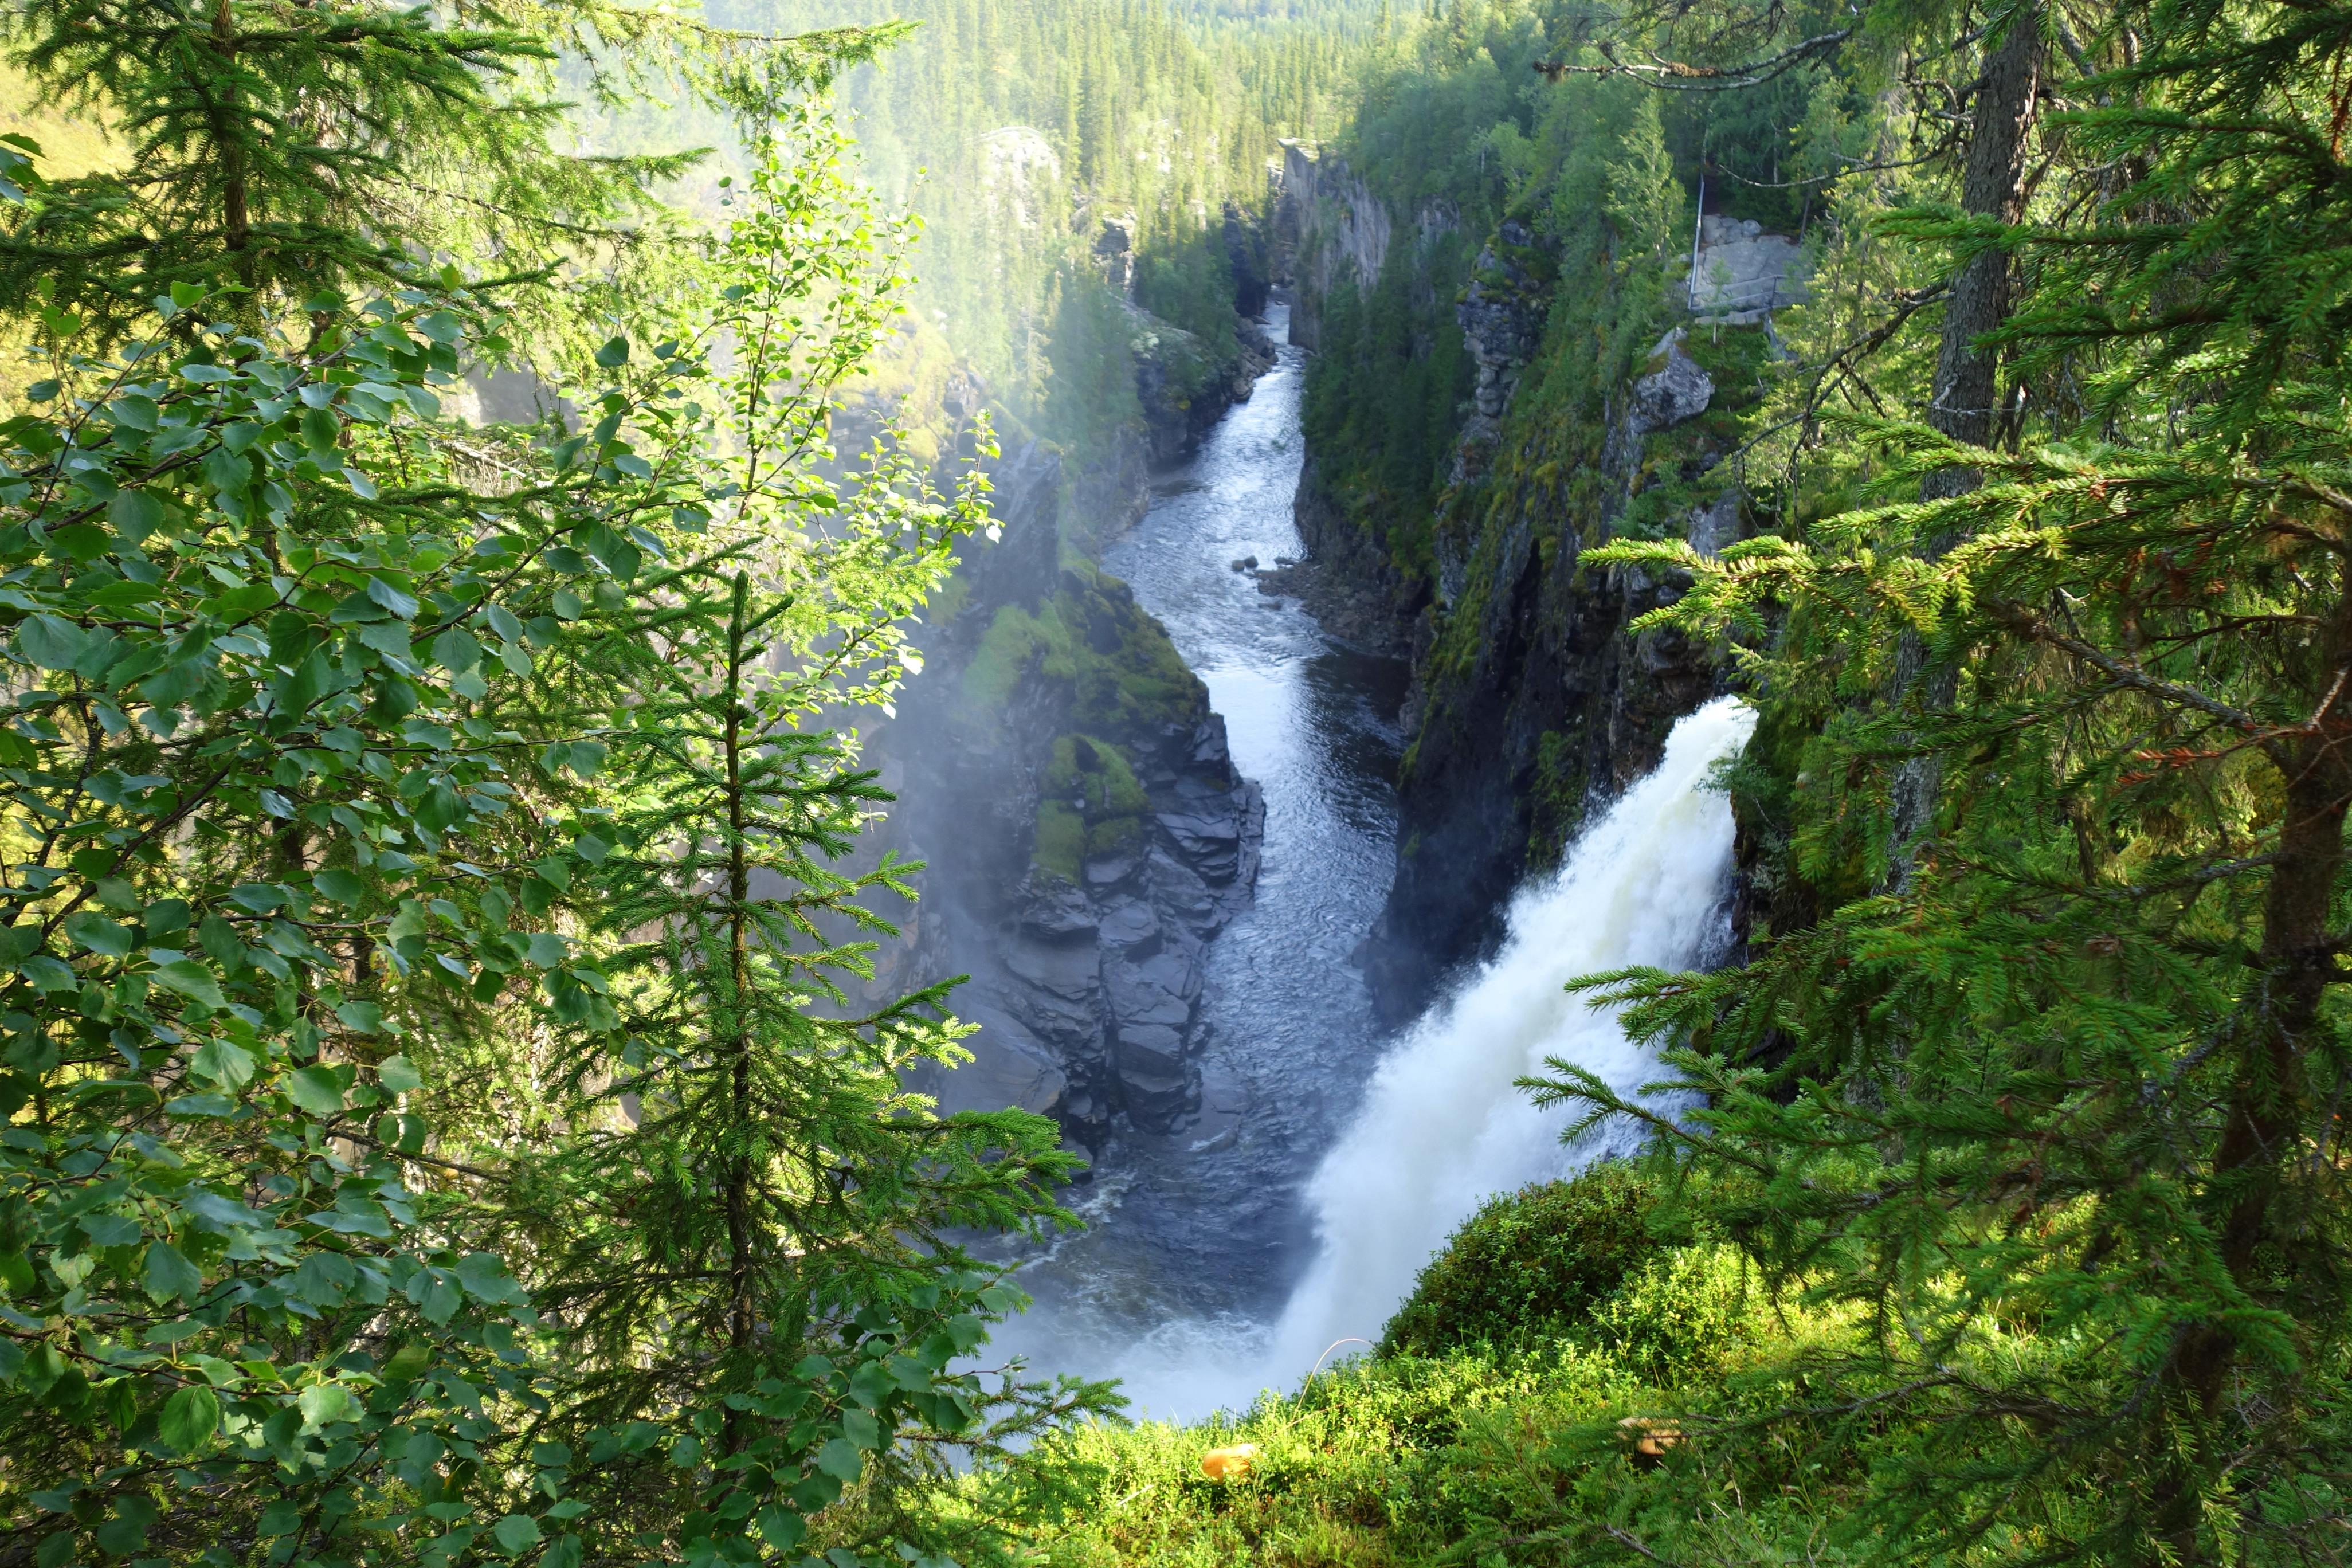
(745, 1237)
(238, 1321)
(2058, 1118)
(753, 1264)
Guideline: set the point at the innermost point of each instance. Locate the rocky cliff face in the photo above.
(1532, 701)
(1326, 219)
(1502, 319)
(1329, 230)
(1534, 704)
(1184, 391)
(1739, 273)
(1183, 388)
(1057, 768)
(1329, 227)
(1348, 583)
(1086, 832)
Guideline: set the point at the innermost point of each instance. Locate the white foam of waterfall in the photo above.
(1442, 1126)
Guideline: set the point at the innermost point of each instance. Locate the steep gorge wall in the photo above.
(1062, 773)
(1536, 703)
(1329, 230)
(1532, 701)
(1327, 227)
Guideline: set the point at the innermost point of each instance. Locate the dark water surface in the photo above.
(1194, 1238)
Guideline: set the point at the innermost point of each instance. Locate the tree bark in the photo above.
(236, 216)
(1967, 376)
(2266, 1112)
(740, 1324)
(1993, 186)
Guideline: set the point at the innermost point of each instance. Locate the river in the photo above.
(1194, 1240)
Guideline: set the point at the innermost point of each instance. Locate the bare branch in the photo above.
(2020, 619)
(1680, 76)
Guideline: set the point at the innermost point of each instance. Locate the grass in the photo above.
(1561, 1321)
(1486, 1431)
(1487, 1454)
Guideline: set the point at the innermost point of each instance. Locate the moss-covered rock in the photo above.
(1090, 804)
(1072, 796)
(1116, 671)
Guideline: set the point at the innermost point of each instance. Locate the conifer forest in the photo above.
(1308, 784)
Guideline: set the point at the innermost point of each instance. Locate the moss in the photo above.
(1097, 771)
(1528, 1263)
(1734, 359)
(1012, 645)
(1130, 680)
(1537, 261)
(1183, 366)
(1115, 835)
(1061, 846)
(1090, 804)
(1555, 800)
(1124, 676)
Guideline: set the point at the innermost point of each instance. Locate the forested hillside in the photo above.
(1067, 154)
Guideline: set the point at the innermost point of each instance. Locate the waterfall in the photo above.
(1442, 1128)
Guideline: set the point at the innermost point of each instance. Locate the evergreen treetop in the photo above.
(292, 148)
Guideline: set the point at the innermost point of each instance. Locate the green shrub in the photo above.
(1529, 1261)
(1680, 1313)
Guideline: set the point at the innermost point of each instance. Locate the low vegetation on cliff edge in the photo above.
(1554, 1390)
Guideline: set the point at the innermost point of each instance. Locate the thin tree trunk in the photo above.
(237, 218)
(2295, 968)
(1968, 373)
(739, 1323)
